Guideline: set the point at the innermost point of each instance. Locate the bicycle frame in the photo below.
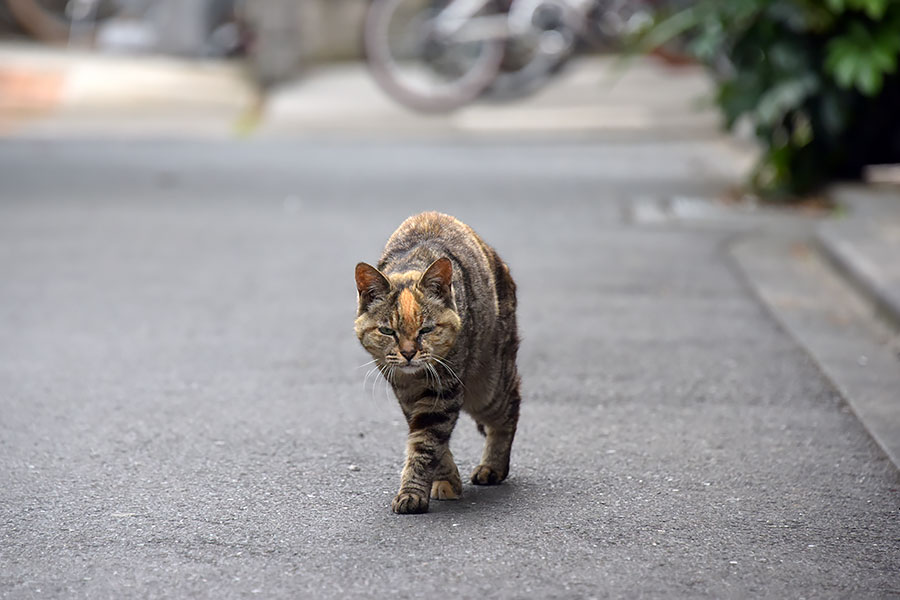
(454, 51)
(459, 15)
(458, 22)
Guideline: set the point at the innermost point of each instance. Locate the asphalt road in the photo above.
(181, 412)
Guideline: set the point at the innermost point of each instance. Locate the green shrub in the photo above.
(817, 79)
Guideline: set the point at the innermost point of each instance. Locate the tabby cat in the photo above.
(438, 316)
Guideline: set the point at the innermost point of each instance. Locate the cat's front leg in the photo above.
(431, 422)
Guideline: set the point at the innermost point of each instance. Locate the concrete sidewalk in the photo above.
(594, 95)
(46, 91)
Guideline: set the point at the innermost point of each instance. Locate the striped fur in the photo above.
(438, 315)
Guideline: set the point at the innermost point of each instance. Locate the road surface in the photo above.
(182, 413)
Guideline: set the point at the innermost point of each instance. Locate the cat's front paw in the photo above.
(485, 475)
(406, 503)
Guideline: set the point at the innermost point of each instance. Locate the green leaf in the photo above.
(887, 43)
(883, 59)
(843, 66)
(785, 97)
(740, 96)
(875, 9)
(788, 57)
(861, 59)
(869, 80)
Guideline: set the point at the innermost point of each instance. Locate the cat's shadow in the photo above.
(477, 498)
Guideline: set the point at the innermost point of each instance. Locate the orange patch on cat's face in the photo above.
(410, 312)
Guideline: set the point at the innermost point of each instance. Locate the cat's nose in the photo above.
(408, 354)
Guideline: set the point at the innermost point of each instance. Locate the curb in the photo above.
(835, 289)
(856, 248)
(826, 316)
(839, 256)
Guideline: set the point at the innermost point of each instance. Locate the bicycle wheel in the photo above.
(516, 84)
(546, 34)
(422, 68)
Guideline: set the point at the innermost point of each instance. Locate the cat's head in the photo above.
(407, 320)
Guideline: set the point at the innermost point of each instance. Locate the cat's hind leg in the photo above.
(494, 466)
(499, 432)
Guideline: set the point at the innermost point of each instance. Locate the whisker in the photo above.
(449, 370)
(431, 375)
(453, 374)
(368, 374)
(444, 360)
(431, 370)
(389, 380)
(380, 369)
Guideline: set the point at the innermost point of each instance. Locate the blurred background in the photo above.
(812, 85)
(286, 66)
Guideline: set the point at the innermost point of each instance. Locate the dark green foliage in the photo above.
(817, 79)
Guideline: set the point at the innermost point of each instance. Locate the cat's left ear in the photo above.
(436, 280)
(370, 284)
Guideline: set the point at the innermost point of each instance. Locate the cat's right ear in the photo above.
(370, 284)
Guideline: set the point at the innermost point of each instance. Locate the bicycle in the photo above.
(439, 55)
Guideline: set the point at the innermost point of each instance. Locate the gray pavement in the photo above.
(183, 416)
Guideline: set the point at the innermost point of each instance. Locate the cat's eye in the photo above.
(386, 330)
(425, 330)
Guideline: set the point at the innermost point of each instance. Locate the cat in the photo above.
(438, 316)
